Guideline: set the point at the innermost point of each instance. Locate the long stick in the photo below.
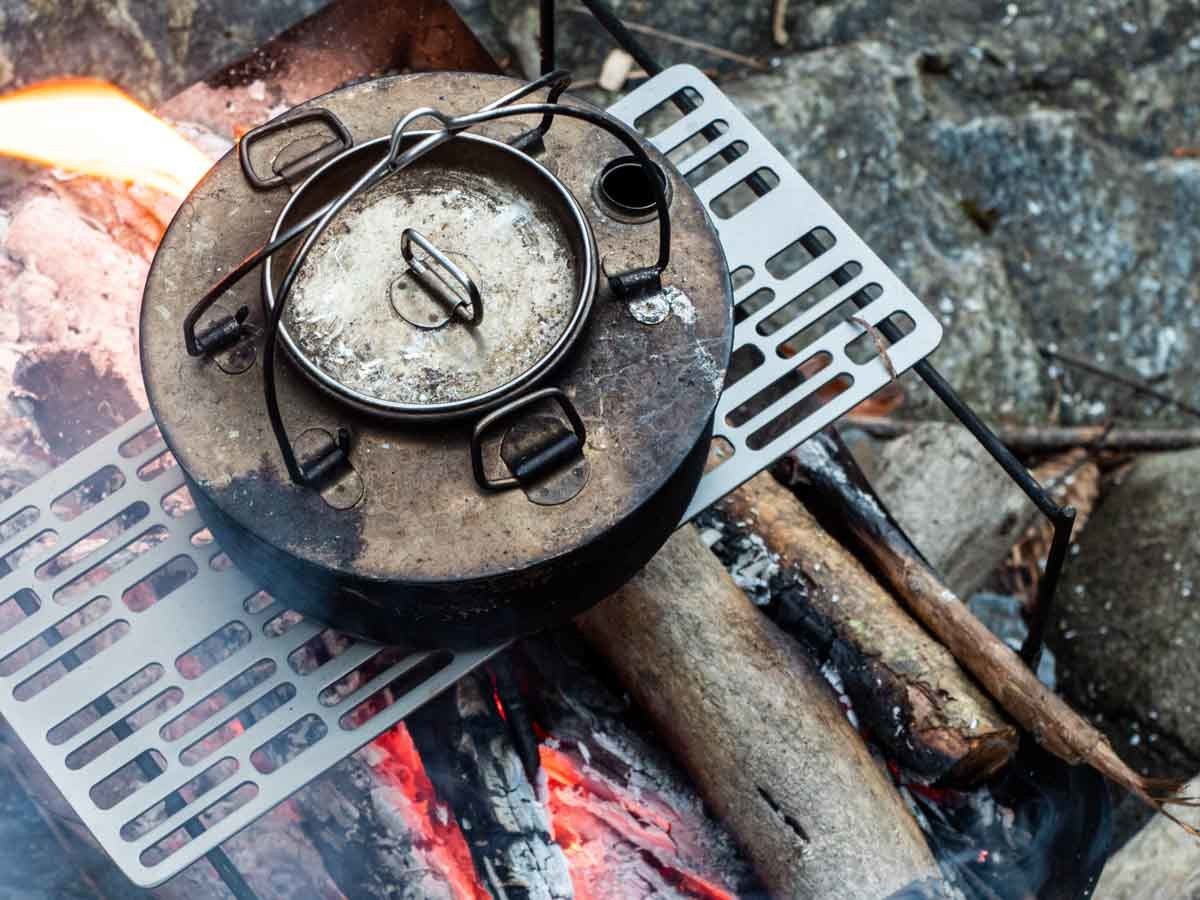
(835, 485)
(1033, 439)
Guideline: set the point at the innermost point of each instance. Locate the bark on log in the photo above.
(906, 688)
(759, 729)
(475, 767)
(835, 485)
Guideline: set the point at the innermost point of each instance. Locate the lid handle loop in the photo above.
(341, 140)
(542, 461)
(468, 309)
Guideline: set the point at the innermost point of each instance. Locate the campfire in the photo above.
(788, 700)
(591, 824)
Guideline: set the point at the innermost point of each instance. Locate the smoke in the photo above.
(1042, 828)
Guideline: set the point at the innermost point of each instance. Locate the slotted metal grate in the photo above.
(157, 686)
(799, 272)
(172, 702)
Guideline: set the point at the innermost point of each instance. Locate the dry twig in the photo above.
(779, 22)
(880, 343)
(720, 52)
(1036, 439)
(1137, 384)
(831, 479)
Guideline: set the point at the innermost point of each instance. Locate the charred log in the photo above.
(907, 689)
(478, 772)
(759, 729)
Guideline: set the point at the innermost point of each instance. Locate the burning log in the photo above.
(831, 478)
(609, 815)
(381, 830)
(757, 726)
(478, 772)
(629, 819)
(906, 688)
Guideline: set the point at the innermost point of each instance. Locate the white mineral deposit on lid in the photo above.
(681, 305)
(341, 318)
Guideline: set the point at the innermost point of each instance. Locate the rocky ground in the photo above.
(1031, 169)
(1025, 167)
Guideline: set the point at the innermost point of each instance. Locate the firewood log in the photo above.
(477, 771)
(759, 729)
(906, 687)
(362, 826)
(830, 480)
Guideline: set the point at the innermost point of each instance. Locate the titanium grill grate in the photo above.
(804, 283)
(220, 703)
(169, 699)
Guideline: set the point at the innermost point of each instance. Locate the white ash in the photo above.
(831, 674)
(744, 554)
(681, 305)
(341, 317)
(813, 455)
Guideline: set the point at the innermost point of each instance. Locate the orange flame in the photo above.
(589, 833)
(89, 126)
(434, 827)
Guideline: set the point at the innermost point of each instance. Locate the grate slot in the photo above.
(791, 210)
(148, 832)
(109, 712)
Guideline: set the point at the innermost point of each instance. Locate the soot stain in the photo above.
(275, 506)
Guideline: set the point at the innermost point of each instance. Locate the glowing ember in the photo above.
(88, 126)
(434, 827)
(603, 830)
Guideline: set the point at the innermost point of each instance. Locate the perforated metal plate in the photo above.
(105, 608)
(802, 361)
(129, 646)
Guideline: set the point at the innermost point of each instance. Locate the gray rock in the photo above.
(1012, 221)
(1097, 245)
(952, 499)
(843, 118)
(1013, 161)
(1161, 862)
(1129, 615)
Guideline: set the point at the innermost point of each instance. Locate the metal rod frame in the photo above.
(1062, 518)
